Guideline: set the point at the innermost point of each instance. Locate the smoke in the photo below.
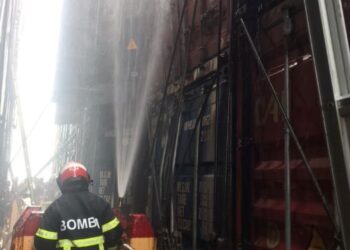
(139, 67)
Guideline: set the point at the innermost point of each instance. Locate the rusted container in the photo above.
(206, 28)
(311, 227)
(25, 228)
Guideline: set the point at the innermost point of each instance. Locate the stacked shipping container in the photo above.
(254, 187)
(237, 200)
(310, 226)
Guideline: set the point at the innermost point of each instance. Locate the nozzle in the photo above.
(120, 202)
(127, 247)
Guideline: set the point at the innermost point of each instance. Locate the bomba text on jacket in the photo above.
(79, 224)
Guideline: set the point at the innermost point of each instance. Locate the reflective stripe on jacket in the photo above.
(78, 220)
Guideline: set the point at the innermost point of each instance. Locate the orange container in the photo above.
(25, 229)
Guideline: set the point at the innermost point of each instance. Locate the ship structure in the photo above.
(224, 122)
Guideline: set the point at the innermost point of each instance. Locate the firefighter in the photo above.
(78, 218)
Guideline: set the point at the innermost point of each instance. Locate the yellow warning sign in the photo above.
(132, 44)
(317, 242)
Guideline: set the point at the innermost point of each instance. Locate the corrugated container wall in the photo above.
(310, 224)
(240, 198)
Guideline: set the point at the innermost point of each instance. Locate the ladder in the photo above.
(330, 48)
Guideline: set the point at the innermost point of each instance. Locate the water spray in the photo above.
(134, 78)
(120, 202)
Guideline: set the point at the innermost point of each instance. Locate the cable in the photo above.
(161, 110)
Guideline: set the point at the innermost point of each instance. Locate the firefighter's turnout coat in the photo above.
(78, 219)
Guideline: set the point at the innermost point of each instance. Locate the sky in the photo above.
(37, 50)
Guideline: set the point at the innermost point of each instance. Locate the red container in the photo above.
(25, 229)
(141, 233)
(138, 230)
(310, 225)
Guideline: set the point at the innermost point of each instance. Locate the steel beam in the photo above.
(330, 51)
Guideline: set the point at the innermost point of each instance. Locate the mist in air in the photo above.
(141, 24)
(35, 69)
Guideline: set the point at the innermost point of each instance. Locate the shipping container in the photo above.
(310, 224)
(213, 143)
(25, 228)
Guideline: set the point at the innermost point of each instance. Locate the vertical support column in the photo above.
(330, 50)
(195, 188)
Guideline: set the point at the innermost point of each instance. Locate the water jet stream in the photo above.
(137, 71)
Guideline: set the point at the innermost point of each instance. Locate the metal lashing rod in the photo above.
(287, 176)
(24, 145)
(287, 181)
(195, 189)
(173, 163)
(289, 126)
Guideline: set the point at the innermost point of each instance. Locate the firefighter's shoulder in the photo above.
(98, 200)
